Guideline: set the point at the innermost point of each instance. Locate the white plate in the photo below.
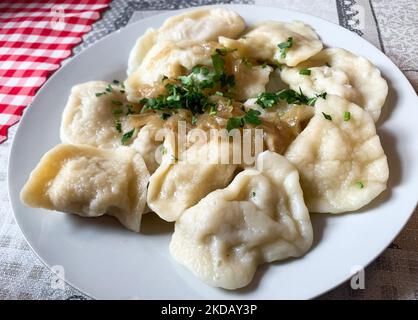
(106, 261)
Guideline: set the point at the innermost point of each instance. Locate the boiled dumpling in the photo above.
(181, 181)
(149, 147)
(340, 72)
(260, 217)
(166, 59)
(250, 81)
(90, 182)
(199, 25)
(89, 119)
(321, 79)
(262, 40)
(339, 157)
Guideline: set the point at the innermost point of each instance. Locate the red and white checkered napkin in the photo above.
(35, 36)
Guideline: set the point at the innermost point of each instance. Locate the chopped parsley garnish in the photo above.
(322, 95)
(189, 92)
(312, 101)
(129, 110)
(109, 88)
(253, 194)
(117, 112)
(284, 46)
(269, 99)
(165, 116)
(327, 116)
(264, 65)
(278, 65)
(127, 136)
(252, 117)
(359, 185)
(220, 72)
(118, 126)
(347, 116)
(224, 51)
(194, 120)
(233, 123)
(213, 110)
(218, 63)
(305, 72)
(117, 102)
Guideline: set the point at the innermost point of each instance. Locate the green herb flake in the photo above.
(218, 63)
(213, 110)
(347, 116)
(253, 194)
(322, 95)
(264, 65)
(359, 185)
(98, 94)
(327, 116)
(312, 101)
(116, 81)
(305, 72)
(117, 102)
(194, 120)
(109, 88)
(278, 65)
(127, 136)
(165, 116)
(267, 100)
(233, 123)
(252, 117)
(117, 112)
(224, 51)
(284, 46)
(129, 110)
(118, 126)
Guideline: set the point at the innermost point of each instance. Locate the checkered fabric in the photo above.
(35, 36)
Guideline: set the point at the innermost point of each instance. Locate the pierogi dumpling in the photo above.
(180, 183)
(260, 217)
(340, 160)
(250, 81)
(199, 25)
(90, 182)
(167, 59)
(147, 145)
(321, 79)
(262, 42)
(89, 120)
(340, 72)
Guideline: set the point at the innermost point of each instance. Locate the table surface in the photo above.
(391, 26)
